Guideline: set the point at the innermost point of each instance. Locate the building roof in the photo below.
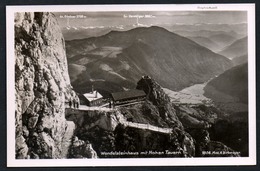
(92, 96)
(128, 94)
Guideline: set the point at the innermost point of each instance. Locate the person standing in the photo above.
(74, 103)
(110, 105)
(77, 104)
(70, 103)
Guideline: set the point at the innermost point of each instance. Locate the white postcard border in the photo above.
(10, 62)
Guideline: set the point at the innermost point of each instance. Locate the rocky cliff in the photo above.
(42, 86)
(160, 99)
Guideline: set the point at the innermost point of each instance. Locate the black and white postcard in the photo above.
(131, 85)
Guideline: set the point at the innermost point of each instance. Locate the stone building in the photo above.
(93, 98)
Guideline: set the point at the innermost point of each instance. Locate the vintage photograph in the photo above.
(131, 84)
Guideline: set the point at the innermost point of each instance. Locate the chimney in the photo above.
(96, 94)
(92, 89)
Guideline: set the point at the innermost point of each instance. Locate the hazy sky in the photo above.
(149, 18)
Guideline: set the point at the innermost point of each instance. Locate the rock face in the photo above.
(89, 119)
(42, 85)
(196, 116)
(81, 149)
(159, 98)
(154, 144)
(205, 147)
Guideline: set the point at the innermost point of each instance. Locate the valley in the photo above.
(190, 95)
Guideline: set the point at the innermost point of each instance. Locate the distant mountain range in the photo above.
(223, 40)
(215, 37)
(72, 32)
(213, 40)
(236, 49)
(233, 28)
(186, 30)
(207, 33)
(206, 42)
(117, 60)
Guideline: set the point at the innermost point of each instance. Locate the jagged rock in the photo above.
(21, 147)
(42, 85)
(108, 122)
(105, 120)
(205, 147)
(188, 145)
(47, 145)
(131, 139)
(196, 116)
(160, 99)
(25, 131)
(34, 156)
(32, 122)
(82, 149)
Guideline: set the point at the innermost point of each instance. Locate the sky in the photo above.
(149, 18)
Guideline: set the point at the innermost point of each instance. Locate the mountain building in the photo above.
(93, 98)
(126, 97)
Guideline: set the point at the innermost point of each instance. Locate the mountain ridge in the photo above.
(230, 87)
(152, 51)
(236, 49)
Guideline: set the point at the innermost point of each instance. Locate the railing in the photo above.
(148, 127)
(88, 108)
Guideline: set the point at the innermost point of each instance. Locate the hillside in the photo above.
(223, 40)
(213, 40)
(240, 60)
(206, 42)
(117, 60)
(236, 49)
(230, 89)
